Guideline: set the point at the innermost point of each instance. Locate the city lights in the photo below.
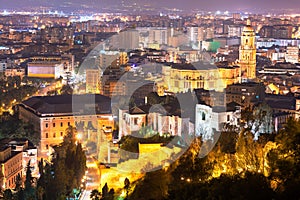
(149, 100)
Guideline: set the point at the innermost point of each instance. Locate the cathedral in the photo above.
(247, 53)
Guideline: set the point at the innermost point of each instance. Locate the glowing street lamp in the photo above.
(79, 136)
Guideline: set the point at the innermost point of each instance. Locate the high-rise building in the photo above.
(247, 53)
(92, 81)
(126, 40)
(292, 54)
(234, 31)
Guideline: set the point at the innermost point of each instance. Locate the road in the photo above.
(93, 178)
(53, 86)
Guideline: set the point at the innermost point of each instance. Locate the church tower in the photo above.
(247, 53)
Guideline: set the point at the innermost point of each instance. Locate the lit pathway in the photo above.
(93, 178)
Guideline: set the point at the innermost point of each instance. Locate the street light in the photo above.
(79, 136)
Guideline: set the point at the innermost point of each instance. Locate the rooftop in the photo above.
(88, 104)
(193, 66)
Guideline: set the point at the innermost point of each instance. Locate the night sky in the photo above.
(206, 5)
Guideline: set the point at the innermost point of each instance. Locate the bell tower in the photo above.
(247, 53)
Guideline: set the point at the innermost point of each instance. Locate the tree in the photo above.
(248, 152)
(66, 89)
(105, 190)
(284, 161)
(106, 193)
(29, 190)
(64, 174)
(127, 186)
(7, 195)
(154, 185)
(95, 195)
(28, 180)
(18, 183)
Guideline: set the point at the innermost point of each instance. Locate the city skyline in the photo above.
(132, 5)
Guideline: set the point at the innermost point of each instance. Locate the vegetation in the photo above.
(59, 178)
(27, 192)
(239, 167)
(12, 127)
(130, 143)
(107, 194)
(12, 91)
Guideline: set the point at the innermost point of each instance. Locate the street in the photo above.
(93, 178)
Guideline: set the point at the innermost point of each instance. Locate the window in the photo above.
(46, 125)
(47, 146)
(47, 135)
(69, 123)
(203, 116)
(228, 118)
(53, 124)
(61, 134)
(54, 135)
(135, 121)
(61, 124)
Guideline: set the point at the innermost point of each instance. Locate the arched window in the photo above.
(203, 116)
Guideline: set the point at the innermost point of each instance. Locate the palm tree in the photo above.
(95, 195)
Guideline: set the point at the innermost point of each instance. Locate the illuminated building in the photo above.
(292, 54)
(245, 94)
(158, 35)
(11, 165)
(3, 66)
(156, 118)
(153, 37)
(113, 59)
(127, 40)
(114, 87)
(92, 81)
(211, 119)
(50, 66)
(15, 72)
(247, 53)
(131, 121)
(45, 69)
(234, 31)
(52, 115)
(281, 68)
(29, 153)
(184, 77)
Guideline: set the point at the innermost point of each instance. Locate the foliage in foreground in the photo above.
(239, 167)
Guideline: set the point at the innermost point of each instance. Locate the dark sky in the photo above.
(211, 5)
